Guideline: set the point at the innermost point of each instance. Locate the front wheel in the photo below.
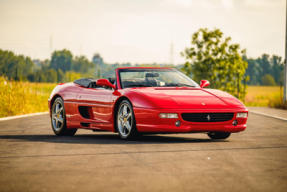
(219, 135)
(58, 119)
(125, 121)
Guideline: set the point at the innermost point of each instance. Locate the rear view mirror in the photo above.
(204, 83)
(104, 82)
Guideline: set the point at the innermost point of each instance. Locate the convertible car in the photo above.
(145, 100)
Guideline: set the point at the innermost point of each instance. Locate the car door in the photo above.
(95, 104)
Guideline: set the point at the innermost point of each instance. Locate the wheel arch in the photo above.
(54, 98)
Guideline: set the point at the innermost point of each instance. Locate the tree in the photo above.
(51, 75)
(268, 80)
(251, 71)
(264, 66)
(258, 68)
(62, 60)
(14, 66)
(254, 71)
(45, 64)
(72, 76)
(277, 68)
(214, 58)
(82, 65)
(264, 63)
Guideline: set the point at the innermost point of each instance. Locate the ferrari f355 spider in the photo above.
(143, 100)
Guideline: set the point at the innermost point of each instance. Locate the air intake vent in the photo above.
(85, 124)
(207, 117)
(84, 112)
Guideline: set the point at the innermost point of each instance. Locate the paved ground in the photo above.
(281, 113)
(32, 158)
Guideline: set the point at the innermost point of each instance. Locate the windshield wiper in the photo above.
(137, 85)
(179, 85)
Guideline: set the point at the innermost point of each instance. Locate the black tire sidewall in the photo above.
(219, 135)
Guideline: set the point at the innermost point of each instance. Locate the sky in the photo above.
(138, 31)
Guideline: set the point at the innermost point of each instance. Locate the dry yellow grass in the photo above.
(261, 95)
(17, 98)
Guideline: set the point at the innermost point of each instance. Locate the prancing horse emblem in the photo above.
(208, 117)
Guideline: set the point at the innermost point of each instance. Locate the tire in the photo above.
(125, 121)
(58, 119)
(219, 135)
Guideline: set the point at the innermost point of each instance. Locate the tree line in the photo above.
(63, 67)
(265, 70)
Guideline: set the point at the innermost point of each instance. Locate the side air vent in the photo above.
(85, 124)
(84, 112)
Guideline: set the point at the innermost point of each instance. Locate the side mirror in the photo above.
(204, 83)
(104, 82)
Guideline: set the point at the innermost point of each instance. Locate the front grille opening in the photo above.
(207, 117)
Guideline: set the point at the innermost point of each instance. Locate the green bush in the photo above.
(268, 80)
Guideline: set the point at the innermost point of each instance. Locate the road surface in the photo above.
(32, 158)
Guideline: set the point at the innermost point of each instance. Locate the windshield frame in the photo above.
(152, 69)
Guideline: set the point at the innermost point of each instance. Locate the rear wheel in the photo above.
(219, 135)
(125, 121)
(58, 119)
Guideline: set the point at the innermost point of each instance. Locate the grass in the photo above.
(17, 98)
(261, 95)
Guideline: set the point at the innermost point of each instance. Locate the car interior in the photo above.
(149, 80)
(92, 83)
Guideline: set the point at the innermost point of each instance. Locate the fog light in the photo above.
(234, 122)
(241, 115)
(168, 115)
(177, 123)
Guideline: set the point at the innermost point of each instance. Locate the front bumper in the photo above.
(148, 120)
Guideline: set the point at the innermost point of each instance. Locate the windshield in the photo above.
(154, 78)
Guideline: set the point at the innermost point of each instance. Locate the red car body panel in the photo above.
(148, 103)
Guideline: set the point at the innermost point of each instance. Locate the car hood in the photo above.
(181, 97)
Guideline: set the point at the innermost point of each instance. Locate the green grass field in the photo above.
(17, 98)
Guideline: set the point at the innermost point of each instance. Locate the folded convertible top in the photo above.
(85, 81)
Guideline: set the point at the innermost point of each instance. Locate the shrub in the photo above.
(268, 80)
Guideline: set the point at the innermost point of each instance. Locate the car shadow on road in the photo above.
(106, 139)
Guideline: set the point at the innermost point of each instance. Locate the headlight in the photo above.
(241, 115)
(168, 115)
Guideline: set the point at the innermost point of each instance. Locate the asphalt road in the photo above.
(32, 158)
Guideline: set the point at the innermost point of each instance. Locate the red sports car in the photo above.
(145, 100)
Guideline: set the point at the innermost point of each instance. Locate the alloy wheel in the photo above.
(125, 120)
(57, 116)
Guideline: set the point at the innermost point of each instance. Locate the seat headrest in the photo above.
(112, 80)
(151, 75)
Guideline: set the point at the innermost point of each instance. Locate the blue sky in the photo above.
(138, 31)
